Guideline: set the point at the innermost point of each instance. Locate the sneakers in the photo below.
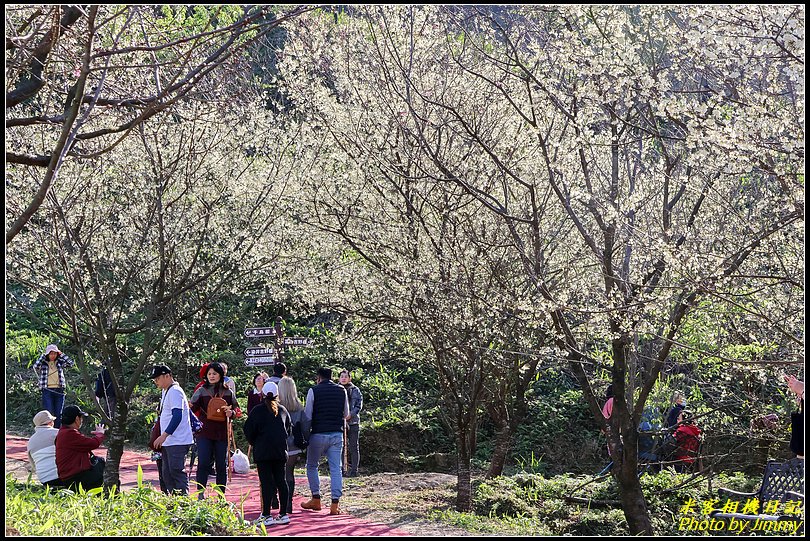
(270, 521)
(262, 519)
(314, 504)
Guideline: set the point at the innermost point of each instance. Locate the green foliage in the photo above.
(188, 20)
(530, 503)
(503, 497)
(486, 525)
(36, 510)
(558, 426)
(24, 398)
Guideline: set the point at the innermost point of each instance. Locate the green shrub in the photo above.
(503, 496)
(36, 510)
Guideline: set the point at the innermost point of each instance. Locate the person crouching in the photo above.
(75, 462)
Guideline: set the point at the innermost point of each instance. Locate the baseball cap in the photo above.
(270, 388)
(159, 370)
(70, 413)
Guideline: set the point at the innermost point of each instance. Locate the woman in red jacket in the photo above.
(687, 438)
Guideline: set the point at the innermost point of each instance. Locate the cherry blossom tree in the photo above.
(637, 160)
(146, 237)
(81, 79)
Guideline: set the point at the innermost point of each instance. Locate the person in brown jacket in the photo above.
(212, 440)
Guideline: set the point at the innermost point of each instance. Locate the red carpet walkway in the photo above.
(303, 522)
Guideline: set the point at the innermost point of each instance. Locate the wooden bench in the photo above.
(781, 482)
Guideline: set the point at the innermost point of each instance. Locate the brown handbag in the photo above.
(216, 409)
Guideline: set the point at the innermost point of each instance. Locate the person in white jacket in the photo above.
(42, 449)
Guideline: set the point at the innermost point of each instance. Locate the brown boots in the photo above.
(315, 505)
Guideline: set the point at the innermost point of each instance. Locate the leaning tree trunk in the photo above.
(503, 442)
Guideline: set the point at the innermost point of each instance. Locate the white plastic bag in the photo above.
(241, 464)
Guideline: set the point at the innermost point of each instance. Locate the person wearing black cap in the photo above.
(175, 436)
(75, 463)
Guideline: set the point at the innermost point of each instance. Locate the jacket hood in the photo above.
(692, 430)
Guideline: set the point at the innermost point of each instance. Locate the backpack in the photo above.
(298, 436)
(215, 411)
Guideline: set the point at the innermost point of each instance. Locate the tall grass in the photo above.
(33, 509)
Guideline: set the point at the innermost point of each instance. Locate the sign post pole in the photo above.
(269, 355)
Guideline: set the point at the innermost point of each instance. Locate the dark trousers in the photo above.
(354, 448)
(53, 400)
(206, 450)
(271, 479)
(54, 484)
(92, 478)
(289, 477)
(173, 468)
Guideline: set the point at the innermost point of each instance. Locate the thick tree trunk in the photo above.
(465, 436)
(633, 503)
(625, 470)
(115, 446)
(464, 487)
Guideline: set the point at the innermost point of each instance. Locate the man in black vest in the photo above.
(328, 407)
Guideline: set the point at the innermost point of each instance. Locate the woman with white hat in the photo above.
(42, 449)
(267, 429)
(50, 367)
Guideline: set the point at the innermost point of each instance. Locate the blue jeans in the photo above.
(206, 449)
(331, 445)
(53, 400)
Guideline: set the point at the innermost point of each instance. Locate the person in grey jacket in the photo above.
(355, 405)
(288, 397)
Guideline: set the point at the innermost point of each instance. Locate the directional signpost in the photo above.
(260, 352)
(297, 341)
(260, 361)
(260, 332)
(264, 356)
